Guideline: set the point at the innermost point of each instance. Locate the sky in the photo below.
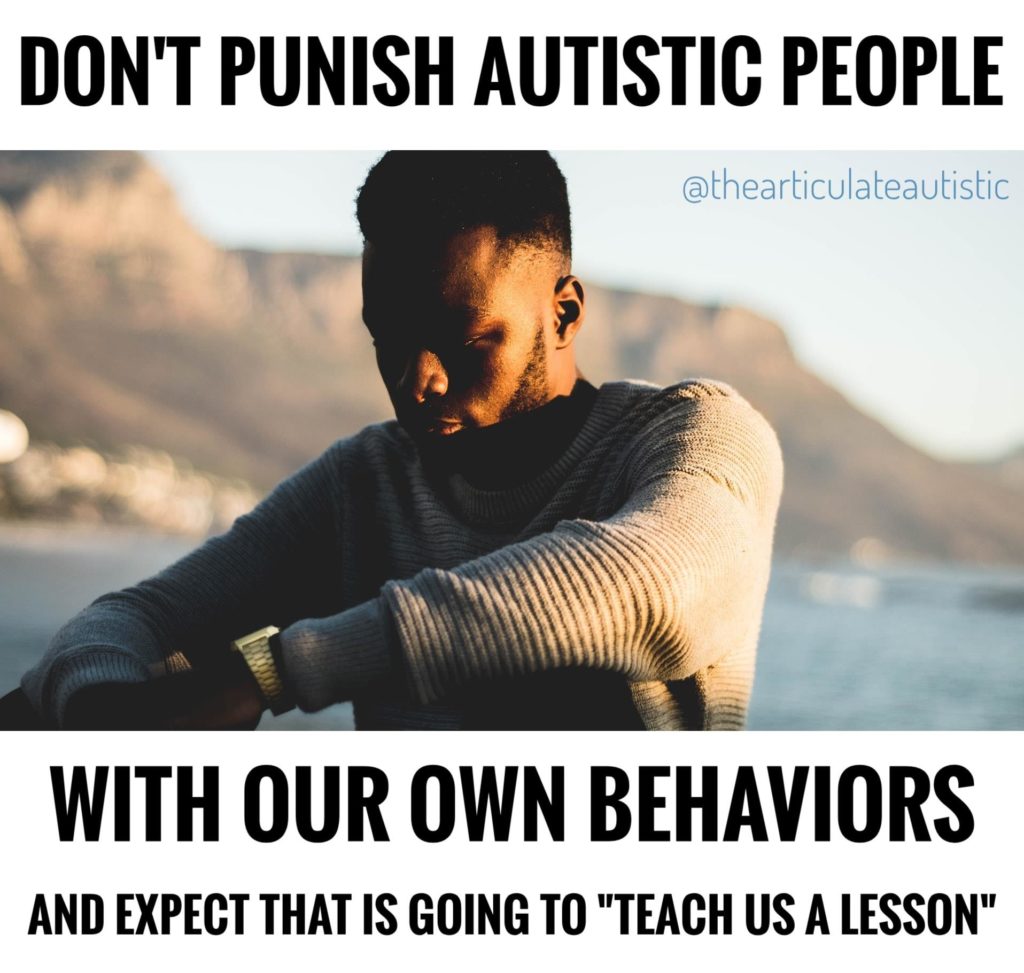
(914, 309)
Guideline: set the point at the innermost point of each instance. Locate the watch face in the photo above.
(260, 635)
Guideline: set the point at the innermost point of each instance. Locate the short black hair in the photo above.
(430, 195)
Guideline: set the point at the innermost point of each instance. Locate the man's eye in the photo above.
(478, 338)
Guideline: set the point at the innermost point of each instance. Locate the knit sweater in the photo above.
(621, 586)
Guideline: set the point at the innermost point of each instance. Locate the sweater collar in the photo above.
(586, 425)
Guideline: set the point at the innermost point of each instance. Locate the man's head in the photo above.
(467, 289)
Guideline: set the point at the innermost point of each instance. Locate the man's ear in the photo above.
(570, 309)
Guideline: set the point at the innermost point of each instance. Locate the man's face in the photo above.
(464, 333)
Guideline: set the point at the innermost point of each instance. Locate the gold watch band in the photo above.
(255, 649)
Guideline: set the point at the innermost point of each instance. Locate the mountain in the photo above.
(121, 324)
(1009, 468)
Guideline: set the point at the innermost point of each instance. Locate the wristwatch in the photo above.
(258, 650)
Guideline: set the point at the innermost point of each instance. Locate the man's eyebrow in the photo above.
(469, 313)
(488, 323)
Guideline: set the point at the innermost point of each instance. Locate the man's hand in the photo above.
(222, 695)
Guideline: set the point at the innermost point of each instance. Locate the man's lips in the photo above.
(432, 425)
(441, 427)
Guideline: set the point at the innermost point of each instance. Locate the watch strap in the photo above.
(258, 652)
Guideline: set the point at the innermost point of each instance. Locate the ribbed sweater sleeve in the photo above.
(662, 588)
(274, 565)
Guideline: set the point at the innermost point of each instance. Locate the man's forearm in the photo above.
(276, 564)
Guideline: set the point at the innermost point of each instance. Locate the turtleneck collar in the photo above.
(509, 453)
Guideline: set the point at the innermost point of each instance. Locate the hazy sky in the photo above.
(914, 309)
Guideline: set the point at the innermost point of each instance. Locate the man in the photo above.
(519, 549)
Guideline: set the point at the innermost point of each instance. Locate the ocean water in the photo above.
(841, 647)
(925, 648)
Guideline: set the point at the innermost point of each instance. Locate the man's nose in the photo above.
(424, 376)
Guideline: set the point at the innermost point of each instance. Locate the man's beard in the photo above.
(456, 452)
(532, 391)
